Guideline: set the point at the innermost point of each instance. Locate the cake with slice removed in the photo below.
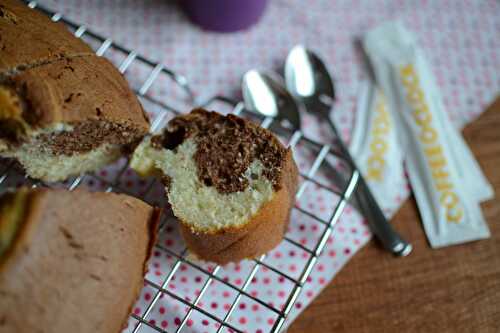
(68, 117)
(230, 183)
(63, 110)
(71, 261)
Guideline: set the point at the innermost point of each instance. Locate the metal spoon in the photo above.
(265, 95)
(308, 81)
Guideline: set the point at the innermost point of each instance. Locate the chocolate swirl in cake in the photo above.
(226, 146)
(85, 137)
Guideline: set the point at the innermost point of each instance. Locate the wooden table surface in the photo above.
(454, 289)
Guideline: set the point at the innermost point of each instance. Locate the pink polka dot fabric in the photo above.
(460, 38)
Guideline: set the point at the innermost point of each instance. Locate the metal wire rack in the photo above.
(156, 70)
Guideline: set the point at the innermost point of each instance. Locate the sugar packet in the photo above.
(374, 146)
(446, 180)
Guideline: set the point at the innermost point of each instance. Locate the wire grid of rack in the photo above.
(323, 151)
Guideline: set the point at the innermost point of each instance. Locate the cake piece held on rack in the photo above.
(230, 182)
(71, 261)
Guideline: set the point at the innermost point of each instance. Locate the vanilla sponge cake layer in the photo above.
(41, 164)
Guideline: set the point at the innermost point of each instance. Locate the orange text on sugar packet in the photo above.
(433, 150)
(378, 144)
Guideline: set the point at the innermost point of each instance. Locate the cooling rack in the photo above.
(161, 109)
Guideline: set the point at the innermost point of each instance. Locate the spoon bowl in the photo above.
(265, 95)
(308, 80)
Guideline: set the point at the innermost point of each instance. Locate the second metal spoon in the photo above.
(308, 80)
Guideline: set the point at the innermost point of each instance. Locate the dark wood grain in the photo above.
(454, 289)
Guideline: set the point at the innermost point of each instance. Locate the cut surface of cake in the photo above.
(230, 183)
(71, 261)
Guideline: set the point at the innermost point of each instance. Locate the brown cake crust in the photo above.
(29, 38)
(260, 234)
(75, 90)
(77, 264)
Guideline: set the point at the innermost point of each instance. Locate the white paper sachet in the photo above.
(375, 147)
(468, 167)
(448, 202)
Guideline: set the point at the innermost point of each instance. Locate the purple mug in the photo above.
(224, 15)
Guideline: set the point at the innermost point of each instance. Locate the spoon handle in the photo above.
(379, 225)
(382, 229)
